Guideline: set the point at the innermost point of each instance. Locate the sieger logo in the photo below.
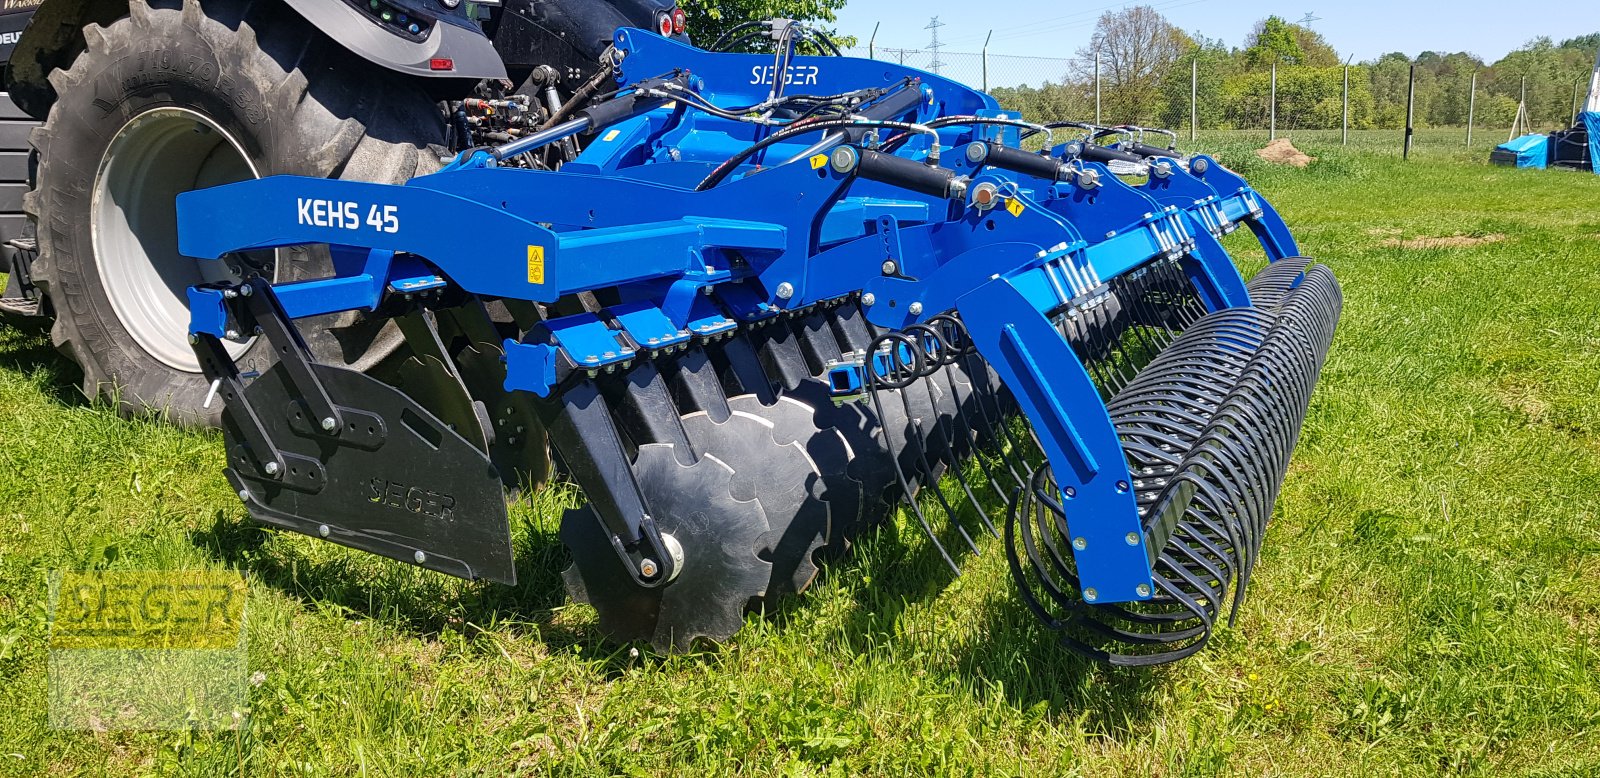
(795, 75)
(381, 491)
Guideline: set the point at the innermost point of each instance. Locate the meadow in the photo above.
(1427, 601)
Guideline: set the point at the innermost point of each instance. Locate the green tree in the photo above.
(1588, 43)
(709, 19)
(1137, 47)
(1216, 64)
(1552, 75)
(1273, 42)
(1315, 51)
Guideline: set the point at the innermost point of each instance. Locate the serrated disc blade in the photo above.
(721, 572)
(782, 477)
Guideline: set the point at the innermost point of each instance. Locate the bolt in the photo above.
(868, 299)
(915, 309)
(329, 424)
(889, 267)
(844, 159)
(420, 557)
(785, 290)
(511, 441)
(675, 155)
(1122, 486)
(1143, 590)
(244, 494)
(1070, 492)
(648, 568)
(591, 358)
(323, 530)
(1080, 543)
(229, 294)
(271, 468)
(1133, 538)
(611, 355)
(194, 340)
(1090, 594)
(231, 334)
(246, 290)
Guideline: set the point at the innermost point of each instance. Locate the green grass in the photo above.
(1427, 602)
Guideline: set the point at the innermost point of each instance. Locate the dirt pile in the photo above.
(1282, 152)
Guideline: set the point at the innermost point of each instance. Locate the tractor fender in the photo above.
(54, 37)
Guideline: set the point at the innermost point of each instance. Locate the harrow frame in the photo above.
(1008, 282)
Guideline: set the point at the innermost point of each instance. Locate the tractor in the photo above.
(117, 107)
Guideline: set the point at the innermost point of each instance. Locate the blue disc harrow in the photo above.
(772, 303)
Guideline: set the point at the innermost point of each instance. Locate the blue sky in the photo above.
(1365, 28)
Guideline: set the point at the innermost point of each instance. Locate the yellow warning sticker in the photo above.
(818, 161)
(611, 136)
(536, 265)
(1015, 207)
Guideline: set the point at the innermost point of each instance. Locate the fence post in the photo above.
(986, 61)
(1411, 111)
(872, 43)
(1272, 101)
(1097, 87)
(1194, 99)
(1344, 135)
(1472, 107)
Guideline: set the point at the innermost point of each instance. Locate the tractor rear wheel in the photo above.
(173, 98)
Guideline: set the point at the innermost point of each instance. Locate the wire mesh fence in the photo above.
(1345, 105)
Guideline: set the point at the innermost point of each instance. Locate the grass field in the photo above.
(1428, 600)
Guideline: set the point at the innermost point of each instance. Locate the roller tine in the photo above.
(918, 372)
(1004, 447)
(1016, 525)
(916, 440)
(995, 424)
(1101, 342)
(908, 494)
(941, 362)
(970, 435)
(956, 469)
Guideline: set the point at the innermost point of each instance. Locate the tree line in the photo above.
(1145, 66)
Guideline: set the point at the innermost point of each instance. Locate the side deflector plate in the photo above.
(396, 481)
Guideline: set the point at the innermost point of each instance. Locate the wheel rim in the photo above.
(133, 224)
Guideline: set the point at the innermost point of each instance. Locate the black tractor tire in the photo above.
(280, 97)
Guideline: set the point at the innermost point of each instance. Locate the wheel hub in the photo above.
(155, 157)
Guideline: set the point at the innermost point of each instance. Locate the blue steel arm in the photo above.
(1069, 417)
(1241, 203)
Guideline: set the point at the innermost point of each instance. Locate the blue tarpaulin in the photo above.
(1531, 150)
(1591, 121)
